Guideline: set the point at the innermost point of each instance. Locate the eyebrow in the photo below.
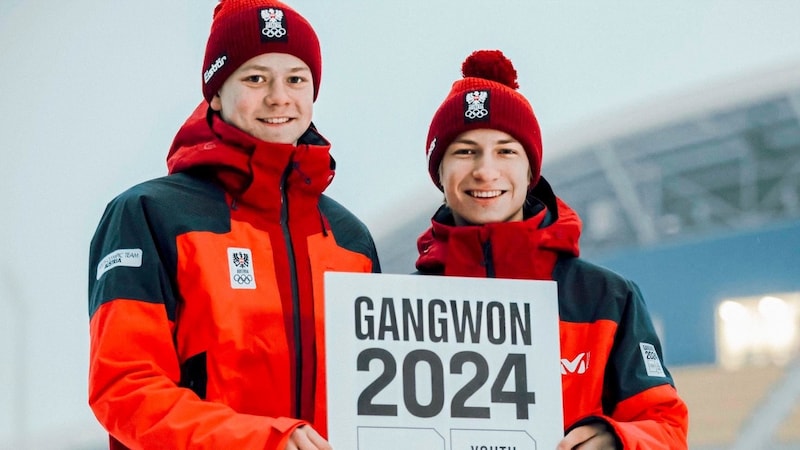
(501, 141)
(270, 69)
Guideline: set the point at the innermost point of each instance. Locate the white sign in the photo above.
(450, 363)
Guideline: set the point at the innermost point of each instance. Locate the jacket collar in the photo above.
(250, 170)
(523, 249)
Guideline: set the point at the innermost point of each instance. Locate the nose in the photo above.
(485, 169)
(277, 94)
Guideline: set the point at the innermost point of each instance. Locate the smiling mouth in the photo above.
(485, 194)
(275, 120)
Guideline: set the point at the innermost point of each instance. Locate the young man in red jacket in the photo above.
(206, 285)
(501, 219)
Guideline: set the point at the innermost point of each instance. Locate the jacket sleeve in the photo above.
(134, 368)
(645, 409)
(350, 232)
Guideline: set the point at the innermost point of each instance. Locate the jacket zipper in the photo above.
(488, 262)
(298, 351)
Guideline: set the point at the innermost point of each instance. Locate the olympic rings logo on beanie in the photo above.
(486, 97)
(243, 29)
(476, 106)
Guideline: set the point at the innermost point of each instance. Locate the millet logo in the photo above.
(578, 365)
(214, 68)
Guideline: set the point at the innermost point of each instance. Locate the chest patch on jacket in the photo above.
(240, 267)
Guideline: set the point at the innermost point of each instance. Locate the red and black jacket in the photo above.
(610, 353)
(206, 293)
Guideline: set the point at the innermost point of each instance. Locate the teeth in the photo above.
(486, 194)
(277, 120)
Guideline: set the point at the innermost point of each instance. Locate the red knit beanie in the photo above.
(486, 97)
(243, 29)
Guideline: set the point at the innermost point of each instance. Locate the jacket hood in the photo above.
(549, 226)
(206, 142)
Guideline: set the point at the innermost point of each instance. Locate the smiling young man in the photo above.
(270, 97)
(206, 285)
(500, 219)
(485, 177)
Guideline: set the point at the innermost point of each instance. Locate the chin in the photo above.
(480, 220)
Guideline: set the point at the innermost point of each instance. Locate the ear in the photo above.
(216, 103)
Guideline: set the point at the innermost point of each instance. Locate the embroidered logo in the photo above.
(578, 365)
(431, 148)
(476, 106)
(240, 266)
(123, 257)
(651, 361)
(272, 26)
(214, 68)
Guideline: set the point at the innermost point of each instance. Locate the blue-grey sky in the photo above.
(94, 91)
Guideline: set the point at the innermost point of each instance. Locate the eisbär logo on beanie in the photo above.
(214, 68)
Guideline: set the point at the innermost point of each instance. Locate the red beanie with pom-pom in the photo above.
(486, 97)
